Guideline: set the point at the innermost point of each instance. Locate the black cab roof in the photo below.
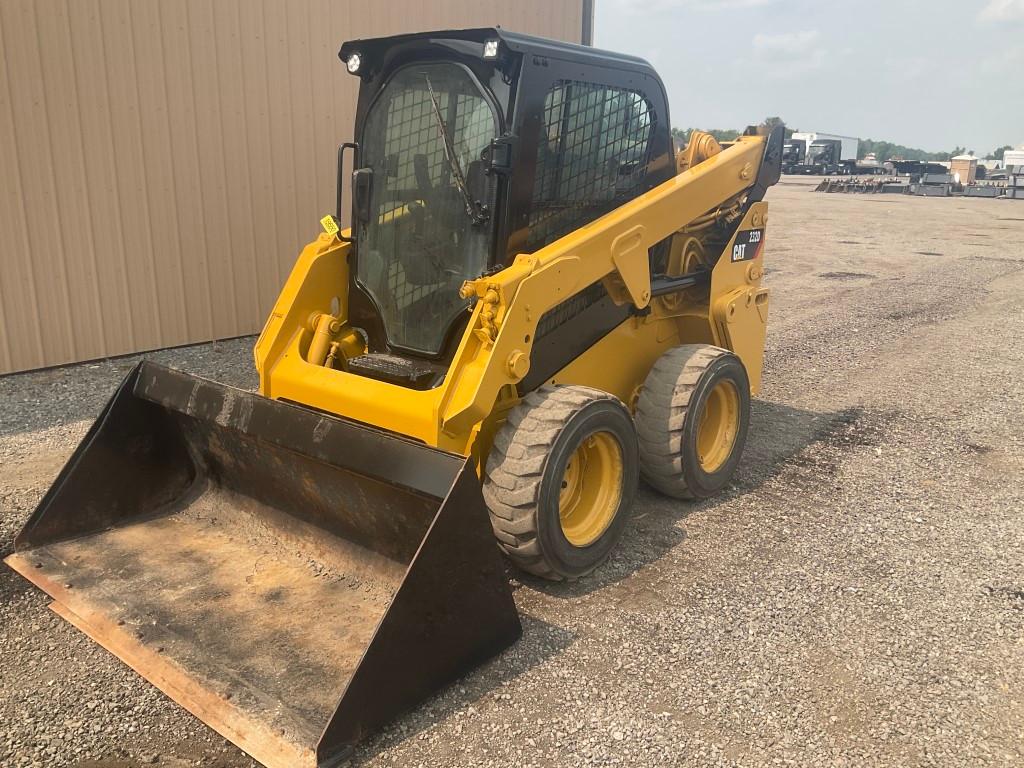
(466, 40)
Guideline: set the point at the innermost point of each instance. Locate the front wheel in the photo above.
(560, 480)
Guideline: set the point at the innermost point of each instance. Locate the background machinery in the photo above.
(821, 154)
(537, 302)
(794, 151)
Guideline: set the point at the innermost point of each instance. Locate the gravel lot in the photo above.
(856, 598)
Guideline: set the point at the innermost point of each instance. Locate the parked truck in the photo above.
(794, 152)
(823, 154)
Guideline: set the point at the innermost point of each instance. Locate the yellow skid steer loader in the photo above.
(538, 301)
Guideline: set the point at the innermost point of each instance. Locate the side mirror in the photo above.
(362, 190)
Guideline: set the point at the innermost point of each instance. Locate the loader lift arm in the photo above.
(614, 248)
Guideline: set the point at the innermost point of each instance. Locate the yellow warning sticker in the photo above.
(329, 224)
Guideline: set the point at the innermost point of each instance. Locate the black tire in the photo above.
(668, 418)
(526, 470)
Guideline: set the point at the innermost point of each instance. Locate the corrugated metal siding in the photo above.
(163, 161)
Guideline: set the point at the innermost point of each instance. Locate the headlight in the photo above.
(490, 49)
(352, 63)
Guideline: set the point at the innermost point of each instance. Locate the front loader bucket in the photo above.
(291, 578)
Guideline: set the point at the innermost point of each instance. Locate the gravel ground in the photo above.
(856, 598)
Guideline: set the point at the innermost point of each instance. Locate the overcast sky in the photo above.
(930, 74)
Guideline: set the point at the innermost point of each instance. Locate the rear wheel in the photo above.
(561, 478)
(692, 418)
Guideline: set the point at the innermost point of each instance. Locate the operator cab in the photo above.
(471, 147)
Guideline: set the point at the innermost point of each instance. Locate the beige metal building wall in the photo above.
(163, 161)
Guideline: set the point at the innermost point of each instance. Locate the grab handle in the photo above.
(354, 146)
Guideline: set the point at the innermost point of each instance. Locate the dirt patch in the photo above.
(1003, 259)
(34, 472)
(1014, 594)
(845, 275)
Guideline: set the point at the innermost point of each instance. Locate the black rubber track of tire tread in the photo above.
(516, 464)
(669, 387)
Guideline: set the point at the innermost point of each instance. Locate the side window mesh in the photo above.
(592, 156)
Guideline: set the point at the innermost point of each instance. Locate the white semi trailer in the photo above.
(1013, 160)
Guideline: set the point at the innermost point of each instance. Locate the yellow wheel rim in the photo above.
(591, 489)
(719, 423)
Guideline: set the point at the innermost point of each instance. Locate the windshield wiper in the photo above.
(474, 209)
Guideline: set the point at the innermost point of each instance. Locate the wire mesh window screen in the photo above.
(592, 157)
(424, 140)
(412, 137)
(412, 133)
